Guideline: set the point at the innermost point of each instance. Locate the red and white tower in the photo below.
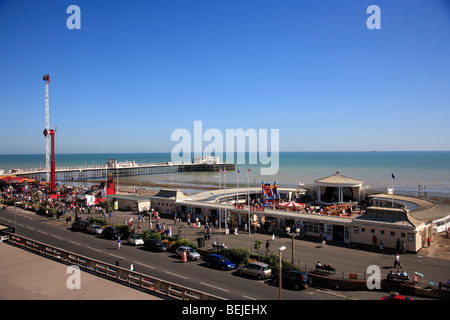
(49, 133)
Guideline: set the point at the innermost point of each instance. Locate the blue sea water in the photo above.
(410, 168)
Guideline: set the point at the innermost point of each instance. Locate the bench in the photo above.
(444, 285)
(326, 268)
(395, 277)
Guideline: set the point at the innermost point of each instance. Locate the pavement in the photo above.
(29, 276)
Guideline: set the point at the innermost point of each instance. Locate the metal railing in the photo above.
(143, 281)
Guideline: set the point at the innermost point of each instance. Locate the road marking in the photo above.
(94, 249)
(174, 274)
(212, 286)
(42, 232)
(57, 237)
(335, 294)
(145, 265)
(116, 256)
(75, 243)
(249, 297)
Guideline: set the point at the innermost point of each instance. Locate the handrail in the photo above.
(137, 279)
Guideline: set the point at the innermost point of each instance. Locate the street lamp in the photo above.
(293, 234)
(279, 272)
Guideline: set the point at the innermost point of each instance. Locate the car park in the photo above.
(79, 225)
(111, 233)
(94, 229)
(292, 278)
(155, 245)
(193, 255)
(219, 261)
(255, 269)
(135, 240)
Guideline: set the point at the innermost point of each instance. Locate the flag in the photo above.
(225, 171)
(393, 177)
(238, 171)
(220, 170)
(248, 170)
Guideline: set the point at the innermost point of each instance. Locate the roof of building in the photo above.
(388, 216)
(170, 194)
(128, 197)
(338, 180)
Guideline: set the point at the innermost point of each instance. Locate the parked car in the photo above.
(255, 269)
(79, 225)
(395, 296)
(155, 245)
(111, 233)
(135, 240)
(219, 261)
(193, 255)
(292, 278)
(94, 229)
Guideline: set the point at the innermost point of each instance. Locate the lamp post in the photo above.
(279, 273)
(297, 231)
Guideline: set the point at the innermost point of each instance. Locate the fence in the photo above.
(171, 290)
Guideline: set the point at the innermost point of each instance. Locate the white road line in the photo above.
(249, 297)
(74, 243)
(113, 255)
(42, 232)
(174, 274)
(335, 294)
(94, 249)
(57, 237)
(212, 286)
(145, 265)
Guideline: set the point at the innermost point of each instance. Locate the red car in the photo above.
(395, 296)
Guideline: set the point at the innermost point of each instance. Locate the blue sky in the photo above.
(138, 70)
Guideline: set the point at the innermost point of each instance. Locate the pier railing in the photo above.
(136, 279)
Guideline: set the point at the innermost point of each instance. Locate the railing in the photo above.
(143, 281)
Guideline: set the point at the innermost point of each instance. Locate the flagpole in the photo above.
(225, 193)
(248, 203)
(220, 200)
(393, 178)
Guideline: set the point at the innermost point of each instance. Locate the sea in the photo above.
(406, 171)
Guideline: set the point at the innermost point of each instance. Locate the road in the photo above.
(166, 266)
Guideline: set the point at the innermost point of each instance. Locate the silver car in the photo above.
(94, 229)
(255, 269)
(135, 240)
(193, 255)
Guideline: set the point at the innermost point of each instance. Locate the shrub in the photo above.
(184, 242)
(238, 255)
(99, 221)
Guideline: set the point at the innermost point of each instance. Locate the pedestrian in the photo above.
(374, 241)
(184, 256)
(397, 261)
(429, 241)
(381, 245)
(397, 245)
(267, 246)
(118, 243)
(403, 247)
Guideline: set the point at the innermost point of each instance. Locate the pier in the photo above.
(121, 169)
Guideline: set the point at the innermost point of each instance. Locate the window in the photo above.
(410, 237)
(372, 230)
(403, 235)
(382, 231)
(363, 229)
(393, 233)
(356, 230)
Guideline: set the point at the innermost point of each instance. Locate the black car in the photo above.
(79, 225)
(154, 245)
(111, 233)
(294, 279)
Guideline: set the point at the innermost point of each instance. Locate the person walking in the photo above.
(380, 243)
(429, 241)
(184, 256)
(397, 261)
(118, 243)
(267, 246)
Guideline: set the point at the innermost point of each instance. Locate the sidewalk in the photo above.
(29, 276)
